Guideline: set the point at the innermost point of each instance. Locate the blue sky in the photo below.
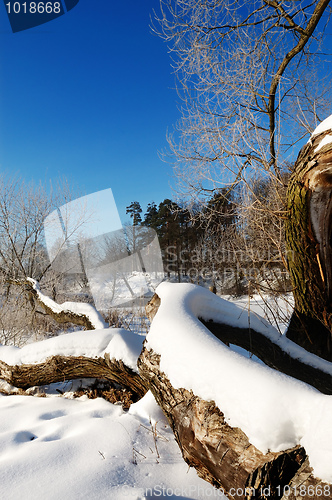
(89, 96)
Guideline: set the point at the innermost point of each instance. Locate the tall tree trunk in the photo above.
(308, 236)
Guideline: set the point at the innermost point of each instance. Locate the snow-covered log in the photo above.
(61, 368)
(230, 325)
(221, 454)
(278, 353)
(108, 354)
(69, 312)
(245, 427)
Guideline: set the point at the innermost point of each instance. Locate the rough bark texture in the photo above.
(60, 368)
(308, 236)
(221, 454)
(152, 306)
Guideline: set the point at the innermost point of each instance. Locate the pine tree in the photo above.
(151, 216)
(135, 210)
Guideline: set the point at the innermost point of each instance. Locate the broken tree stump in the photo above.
(305, 485)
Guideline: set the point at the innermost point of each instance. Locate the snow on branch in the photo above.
(69, 312)
(109, 354)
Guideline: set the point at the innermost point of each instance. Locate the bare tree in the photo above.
(23, 253)
(250, 78)
(254, 80)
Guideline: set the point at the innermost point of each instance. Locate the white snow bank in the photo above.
(88, 310)
(117, 342)
(147, 409)
(274, 410)
(53, 448)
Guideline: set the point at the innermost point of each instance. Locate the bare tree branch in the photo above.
(69, 312)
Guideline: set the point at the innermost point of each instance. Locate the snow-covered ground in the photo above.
(55, 448)
(59, 447)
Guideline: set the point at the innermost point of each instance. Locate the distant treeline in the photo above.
(213, 242)
(216, 243)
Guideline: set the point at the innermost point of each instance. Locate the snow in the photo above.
(323, 126)
(326, 140)
(274, 410)
(118, 343)
(276, 309)
(112, 287)
(79, 308)
(90, 449)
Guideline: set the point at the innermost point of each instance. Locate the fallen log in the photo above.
(268, 350)
(271, 354)
(221, 455)
(60, 368)
(77, 313)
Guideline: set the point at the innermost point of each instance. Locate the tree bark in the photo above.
(61, 368)
(308, 236)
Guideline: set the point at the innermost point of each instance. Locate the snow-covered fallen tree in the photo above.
(77, 313)
(242, 425)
